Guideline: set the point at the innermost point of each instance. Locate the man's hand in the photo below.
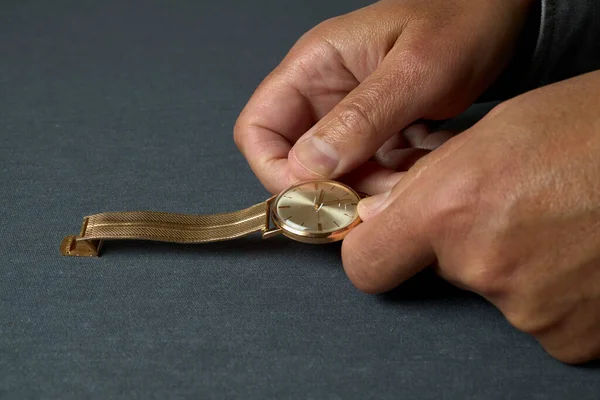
(510, 209)
(349, 87)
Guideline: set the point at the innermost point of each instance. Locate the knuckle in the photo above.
(574, 350)
(507, 106)
(573, 355)
(571, 340)
(353, 118)
(499, 109)
(414, 62)
(326, 28)
(457, 203)
(484, 278)
(241, 131)
(357, 262)
(329, 24)
(487, 269)
(414, 55)
(238, 135)
(527, 319)
(458, 220)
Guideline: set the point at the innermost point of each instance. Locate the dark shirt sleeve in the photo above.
(560, 40)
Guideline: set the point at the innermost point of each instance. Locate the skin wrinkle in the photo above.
(338, 53)
(462, 233)
(374, 257)
(260, 122)
(390, 29)
(355, 114)
(529, 323)
(267, 156)
(329, 89)
(268, 161)
(292, 154)
(314, 114)
(427, 163)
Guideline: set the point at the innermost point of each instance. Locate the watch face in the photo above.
(320, 211)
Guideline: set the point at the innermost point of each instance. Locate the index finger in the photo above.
(265, 136)
(285, 105)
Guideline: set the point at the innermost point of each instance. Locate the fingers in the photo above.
(264, 136)
(285, 105)
(395, 240)
(400, 159)
(436, 139)
(353, 131)
(372, 178)
(389, 248)
(403, 149)
(415, 134)
(574, 340)
(404, 87)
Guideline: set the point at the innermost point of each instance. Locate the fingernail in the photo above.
(373, 205)
(317, 156)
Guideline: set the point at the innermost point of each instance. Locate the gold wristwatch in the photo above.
(317, 211)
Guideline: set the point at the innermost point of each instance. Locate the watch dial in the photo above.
(317, 207)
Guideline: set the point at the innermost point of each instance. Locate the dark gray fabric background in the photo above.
(130, 105)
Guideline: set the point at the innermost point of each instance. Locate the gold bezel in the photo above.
(312, 237)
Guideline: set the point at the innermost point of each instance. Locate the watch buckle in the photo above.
(77, 246)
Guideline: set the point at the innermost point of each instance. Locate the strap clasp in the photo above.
(76, 246)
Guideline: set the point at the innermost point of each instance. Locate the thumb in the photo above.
(401, 90)
(390, 246)
(394, 242)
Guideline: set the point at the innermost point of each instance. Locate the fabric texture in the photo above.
(117, 105)
(559, 40)
(569, 40)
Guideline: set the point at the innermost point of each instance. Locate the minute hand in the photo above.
(342, 201)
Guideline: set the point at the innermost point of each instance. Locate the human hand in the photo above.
(353, 83)
(510, 209)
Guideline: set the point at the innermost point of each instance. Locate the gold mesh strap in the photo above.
(163, 227)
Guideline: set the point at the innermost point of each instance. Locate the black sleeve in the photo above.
(560, 40)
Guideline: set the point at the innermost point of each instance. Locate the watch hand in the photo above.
(321, 195)
(318, 199)
(319, 226)
(338, 201)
